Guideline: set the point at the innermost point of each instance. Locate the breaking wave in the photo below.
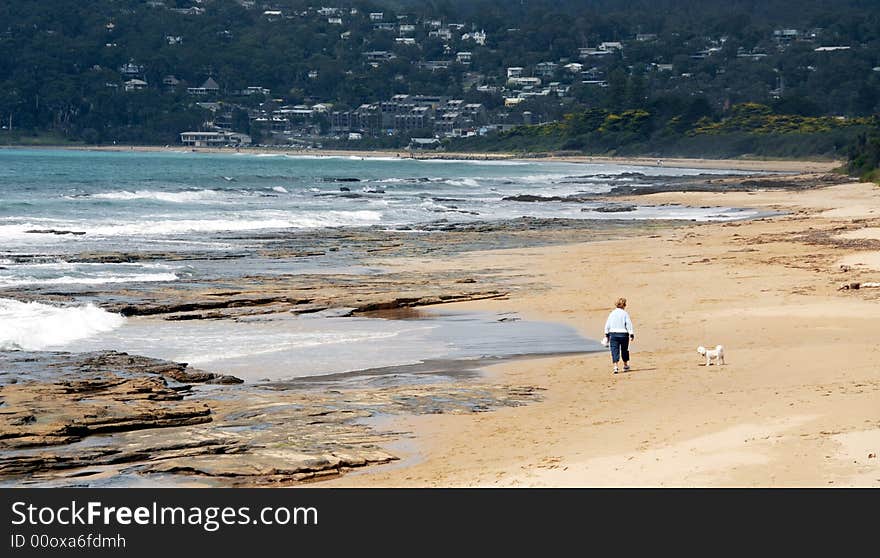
(34, 326)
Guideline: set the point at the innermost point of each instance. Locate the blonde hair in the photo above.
(621, 302)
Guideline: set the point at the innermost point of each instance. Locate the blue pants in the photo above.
(619, 343)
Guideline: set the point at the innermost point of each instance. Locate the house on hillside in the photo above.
(478, 37)
(545, 69)
(443, 33)
(170, 82)
(523, 81)
(434, 65)
(130, 68)
(379, 55)
(134, 84)
(610, 46)
(209, 87)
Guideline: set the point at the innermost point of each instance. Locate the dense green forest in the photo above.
(779, 77)
(665, 127)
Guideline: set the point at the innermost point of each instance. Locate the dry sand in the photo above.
(797, 404)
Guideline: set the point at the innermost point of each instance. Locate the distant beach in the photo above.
(749, 164)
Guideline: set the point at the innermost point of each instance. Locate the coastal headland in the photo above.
(795, 405)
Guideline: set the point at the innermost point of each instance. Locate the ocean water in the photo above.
(57, 204)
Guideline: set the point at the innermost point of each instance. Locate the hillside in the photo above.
(595, 75)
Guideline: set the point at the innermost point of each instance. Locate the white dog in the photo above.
(716, 354)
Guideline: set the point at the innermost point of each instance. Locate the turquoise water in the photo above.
(158, 194)
(58, 202)
(56, 205)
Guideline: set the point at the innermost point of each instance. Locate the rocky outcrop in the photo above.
(60, 398)
(729, 183)
(43, 413)
(276, 296)
(52, 406)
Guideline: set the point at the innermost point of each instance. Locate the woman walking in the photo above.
(619, 332)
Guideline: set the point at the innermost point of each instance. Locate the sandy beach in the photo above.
(797, 403)
(743, 164)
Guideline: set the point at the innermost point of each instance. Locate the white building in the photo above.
(214, 139)
(521, 81)
(135, 85)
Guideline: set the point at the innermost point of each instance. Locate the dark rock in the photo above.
(612, 208)
(532, 198)
(225, 380)
(55, 231)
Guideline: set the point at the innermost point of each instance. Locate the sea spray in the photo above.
(186, 196)
(34, 326)
(102, 279)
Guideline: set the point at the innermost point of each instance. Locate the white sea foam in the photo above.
(282, 342)
(186, 196)
(280, 189)
(470, 182)
(393, 180)
(34, 326)
(72, 280)
(278, 220)
(532, 178)
(46, 263)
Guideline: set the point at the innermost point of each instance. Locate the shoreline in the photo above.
(742, 164)
(795, 404)
(670, 422)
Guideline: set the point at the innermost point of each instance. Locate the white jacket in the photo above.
(619, 322)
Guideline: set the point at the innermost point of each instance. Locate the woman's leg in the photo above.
(624, 350)
(614, 343)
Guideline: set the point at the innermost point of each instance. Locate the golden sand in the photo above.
(797, 404)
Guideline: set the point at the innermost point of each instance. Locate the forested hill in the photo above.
(144, 71)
